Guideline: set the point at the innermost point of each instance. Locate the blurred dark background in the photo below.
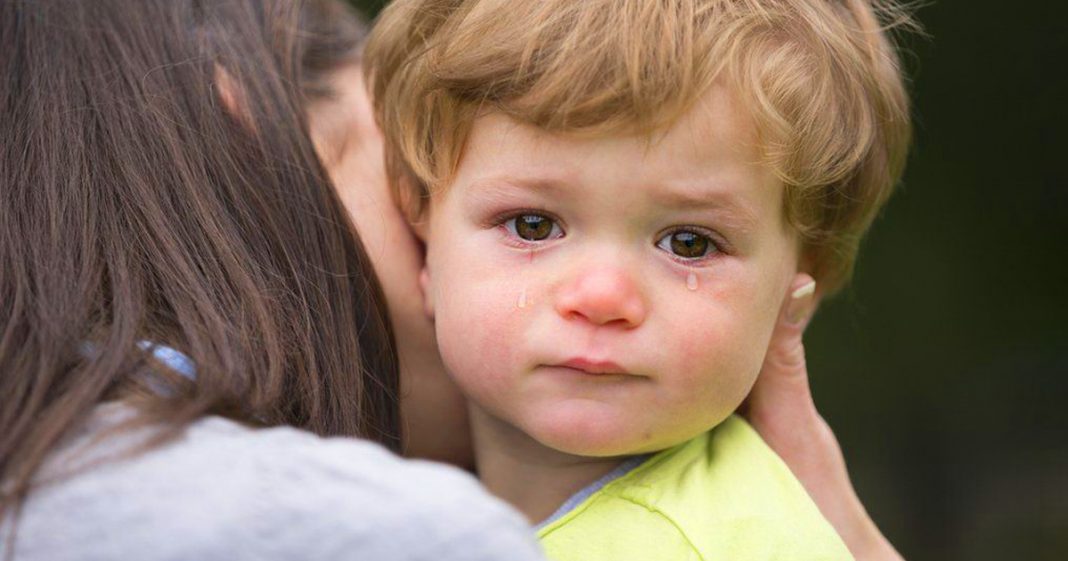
(944, 369)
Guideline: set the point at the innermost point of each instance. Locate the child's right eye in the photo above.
(533, 227)
(689, 245)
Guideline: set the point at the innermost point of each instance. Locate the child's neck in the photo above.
(532, 477)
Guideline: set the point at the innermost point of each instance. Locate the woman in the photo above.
(179, 276)
(160, 196)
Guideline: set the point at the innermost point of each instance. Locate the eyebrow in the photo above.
(728, 205)
(502, 189)
(496, 184)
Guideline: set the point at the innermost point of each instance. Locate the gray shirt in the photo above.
(224, 491)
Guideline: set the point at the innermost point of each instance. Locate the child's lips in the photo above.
(592, 366)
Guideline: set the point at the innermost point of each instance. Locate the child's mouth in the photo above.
(592, 366)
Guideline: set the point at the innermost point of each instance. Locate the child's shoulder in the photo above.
(723, 494)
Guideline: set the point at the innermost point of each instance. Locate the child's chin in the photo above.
(589, 448)
(593, 437)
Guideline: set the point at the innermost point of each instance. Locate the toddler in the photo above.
(617, 197)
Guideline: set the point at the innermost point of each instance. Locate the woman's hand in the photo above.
(781, 409)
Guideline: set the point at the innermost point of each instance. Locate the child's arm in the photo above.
(780, 407)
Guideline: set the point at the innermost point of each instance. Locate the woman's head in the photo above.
(349, 144)
(159, 185)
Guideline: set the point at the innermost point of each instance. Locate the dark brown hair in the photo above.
(135, 207)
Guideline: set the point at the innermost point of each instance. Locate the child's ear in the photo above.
(421, 227)
(415, 208)
(424, 286)
(419, 223)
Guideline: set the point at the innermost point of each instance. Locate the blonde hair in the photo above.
(820, 79)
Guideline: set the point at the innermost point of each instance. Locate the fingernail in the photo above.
(800, 302)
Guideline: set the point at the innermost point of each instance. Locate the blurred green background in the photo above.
(944, 369)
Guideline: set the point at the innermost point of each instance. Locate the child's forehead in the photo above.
(706, 160)
(714, 126)
(712, 141)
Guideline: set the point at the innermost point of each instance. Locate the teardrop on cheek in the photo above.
(691, 282)
(521, 302)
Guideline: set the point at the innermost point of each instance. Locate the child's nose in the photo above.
(605, 296)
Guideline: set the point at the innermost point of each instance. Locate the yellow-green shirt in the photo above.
(723, 496)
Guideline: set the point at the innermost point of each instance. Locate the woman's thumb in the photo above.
(783, 380)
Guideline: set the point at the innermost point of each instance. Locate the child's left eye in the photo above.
(533, 227)
(687, 244)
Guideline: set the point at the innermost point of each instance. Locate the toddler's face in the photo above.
(610, 295)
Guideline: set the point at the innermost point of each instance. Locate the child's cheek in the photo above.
(717, 350)
(478, 330)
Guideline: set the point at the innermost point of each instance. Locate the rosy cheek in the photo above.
(478, 330)
(696, 350)
(714, 348)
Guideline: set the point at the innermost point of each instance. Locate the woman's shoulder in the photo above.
(225, 490)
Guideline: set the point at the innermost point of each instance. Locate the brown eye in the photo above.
(687, 244)
(533, 227)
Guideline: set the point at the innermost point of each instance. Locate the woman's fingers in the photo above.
(782, 388)
(782, 410)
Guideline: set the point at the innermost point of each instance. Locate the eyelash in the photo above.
(501, 223)
(718, 245)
